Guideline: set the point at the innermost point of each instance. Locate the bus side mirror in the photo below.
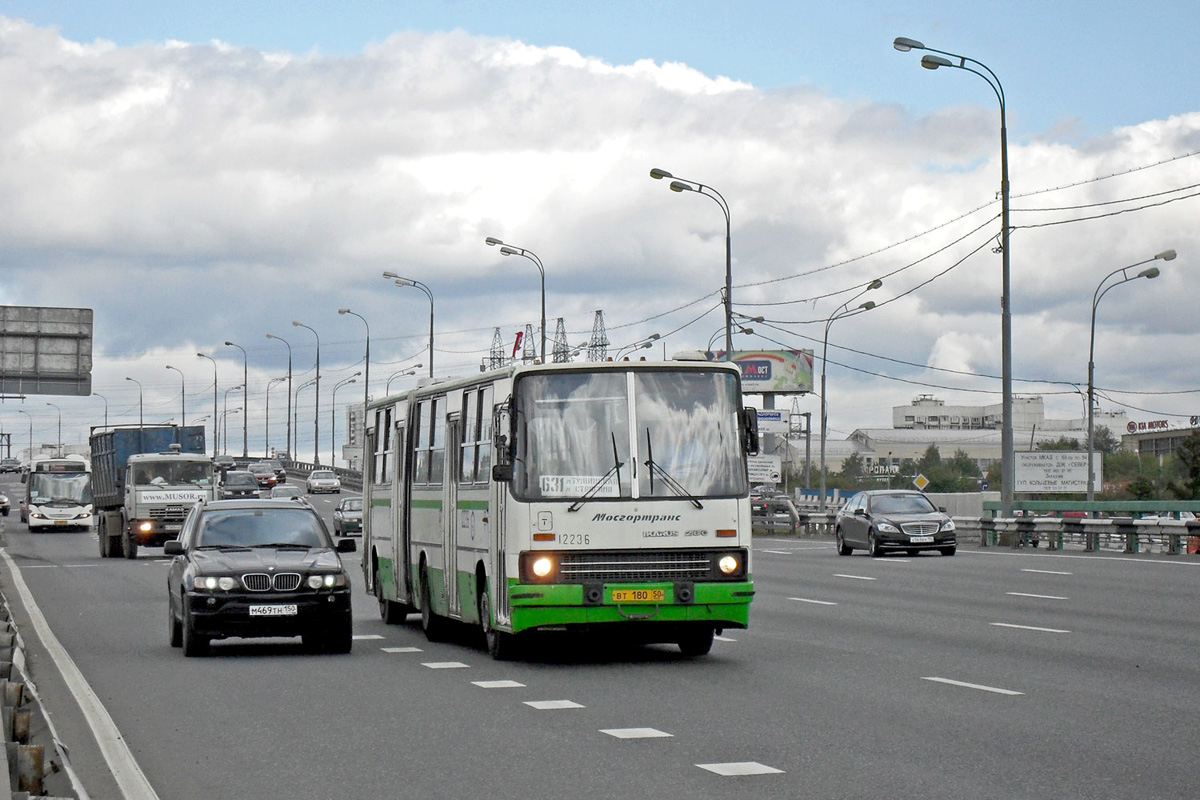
(750, 431)
(502, 442)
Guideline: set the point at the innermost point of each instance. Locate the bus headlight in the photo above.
(539, 567)
(729, 565)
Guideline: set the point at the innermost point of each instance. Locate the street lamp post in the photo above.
(842, 311)
(387, 389)
(316, 397)
(215, 418)
(299, 389)
(418, 285)
(245, 398)
(291, 450)
(225, 447)
(140, 406)
(333, 417)
(1101, 290)
(513, 250)
(225, 424)
(26, 413)
(58, 448)
(105, 399)
(685, 185)
(366, 371)
(267, 422)
(1008, 474)
(182, 395)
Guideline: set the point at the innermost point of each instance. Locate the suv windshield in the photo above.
(611, 434)
(259, 526)
(240, 479)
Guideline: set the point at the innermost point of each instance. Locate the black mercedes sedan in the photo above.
(257, 568)
(881, 520)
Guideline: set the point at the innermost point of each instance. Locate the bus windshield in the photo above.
(59, 487)
(576, 430)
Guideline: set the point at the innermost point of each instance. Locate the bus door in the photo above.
(401, 488)
(450, 520)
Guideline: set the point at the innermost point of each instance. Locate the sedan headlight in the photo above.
(212, 583)
(887, 527)
(329, 580)
(948, 525)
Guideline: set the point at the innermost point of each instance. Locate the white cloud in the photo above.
(193, 193)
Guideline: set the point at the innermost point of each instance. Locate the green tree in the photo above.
(1104, 441)
(854, 473)
(1186, 486)
(1062, 443)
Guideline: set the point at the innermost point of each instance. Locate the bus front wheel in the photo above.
(696, 642)
(500, 645)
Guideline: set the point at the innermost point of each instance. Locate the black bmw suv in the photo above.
(257, 568)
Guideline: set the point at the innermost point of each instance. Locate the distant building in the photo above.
(975, 430)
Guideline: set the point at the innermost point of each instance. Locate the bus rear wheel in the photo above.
(433, 625)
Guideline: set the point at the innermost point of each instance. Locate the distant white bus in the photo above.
(58, 493)
(534, 498)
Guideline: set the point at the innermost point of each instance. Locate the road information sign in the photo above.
(1055, 471)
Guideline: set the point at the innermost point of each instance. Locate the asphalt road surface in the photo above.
(991, 674)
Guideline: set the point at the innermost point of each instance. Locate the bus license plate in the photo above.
(639, 595)
(921, 540)
(288, 610)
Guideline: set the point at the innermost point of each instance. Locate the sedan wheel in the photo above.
(843, 549)
(873, 545)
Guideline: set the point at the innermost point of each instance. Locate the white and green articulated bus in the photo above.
(558, 497)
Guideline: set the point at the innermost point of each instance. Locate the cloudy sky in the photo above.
(212, 172)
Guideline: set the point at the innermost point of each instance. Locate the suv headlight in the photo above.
(328, 580)
(212, 583)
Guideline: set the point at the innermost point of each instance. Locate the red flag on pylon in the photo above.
(517, 343)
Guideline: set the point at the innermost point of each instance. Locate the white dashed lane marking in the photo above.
(551, 705)
(636, 733)
(401, 649)
(498, 684)
(814, 602)
(736, 768)
(446, 665)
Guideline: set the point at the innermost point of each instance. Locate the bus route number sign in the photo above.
(639, 595)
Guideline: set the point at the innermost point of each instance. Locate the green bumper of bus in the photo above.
(724, 605)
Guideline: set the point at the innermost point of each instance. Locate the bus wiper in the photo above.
(666, 476)
(615, 468)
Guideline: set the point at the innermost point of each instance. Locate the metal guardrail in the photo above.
(1127, 534)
